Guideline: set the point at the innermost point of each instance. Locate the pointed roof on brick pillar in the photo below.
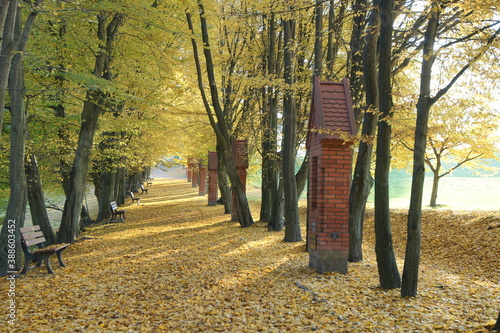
(331, 111)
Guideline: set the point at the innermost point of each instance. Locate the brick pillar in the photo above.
(194, 176)
(203, 179)
(328, 206)
(240, 153)
(189, 169)
(212, 178)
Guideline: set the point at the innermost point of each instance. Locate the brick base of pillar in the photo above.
(328, 261)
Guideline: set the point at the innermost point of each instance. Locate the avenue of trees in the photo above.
(100, 92)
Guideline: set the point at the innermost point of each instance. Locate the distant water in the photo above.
(468, 193)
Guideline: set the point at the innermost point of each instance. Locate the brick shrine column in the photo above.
(328, 207)
(212, 178)
(195, 172)
(240, 153)
(189, 169)
(203, 179)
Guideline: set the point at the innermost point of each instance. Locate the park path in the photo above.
(178, 265)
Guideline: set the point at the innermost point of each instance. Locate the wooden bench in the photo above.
(138, 199)
(34, 236)
(144, 189)
(115, 212)
(149, 181)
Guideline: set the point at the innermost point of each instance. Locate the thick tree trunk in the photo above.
(270, 166)
(301, 175)
(36, 200)
(292, 218)
(8, 14)
(69, 227)
(362, 178)
(277, 222)
(224, 189)
(16, 208)
(386, 261)
(92, 108)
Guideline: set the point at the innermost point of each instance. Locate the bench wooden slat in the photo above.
(52, 249)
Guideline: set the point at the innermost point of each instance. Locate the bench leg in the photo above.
(26, 265)
(59, 258)
(47, 264)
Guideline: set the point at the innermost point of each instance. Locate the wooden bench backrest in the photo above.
(32, 235)
(131, 195)
(113, 205)
(142, 187)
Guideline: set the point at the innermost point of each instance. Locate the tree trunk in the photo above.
(435, 186)
(362, 178)
(220, 126)
(8, 15)
(36, 200)
(356, 57)
(301, 175)
(335, 25)
(270, 166)
(92, 108)
(292, 219)
(225, 190)
(412, 257)
(277, 222)
(16, 208)
(318, 40)
(497, 324)
(386, 261)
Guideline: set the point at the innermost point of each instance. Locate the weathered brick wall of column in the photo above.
(189, 169)
(328, 207)
(194, 173)
(212, 178)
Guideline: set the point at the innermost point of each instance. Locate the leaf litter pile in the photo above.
(178, 265)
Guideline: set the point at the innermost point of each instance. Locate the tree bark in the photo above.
(362, 179)
(92, 108)
(224, 188)
(356, 57)
(270, 166)
(435, 186)
(387, 267)
(16, 208)
(220, 127)
(413, 244)
(497, 324)
(8, 44)
(292, 219)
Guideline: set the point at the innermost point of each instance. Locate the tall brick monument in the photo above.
(331, 121)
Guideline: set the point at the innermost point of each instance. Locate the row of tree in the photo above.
(110, 89)
(267, 54)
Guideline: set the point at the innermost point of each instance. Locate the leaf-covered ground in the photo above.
(178, 265)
